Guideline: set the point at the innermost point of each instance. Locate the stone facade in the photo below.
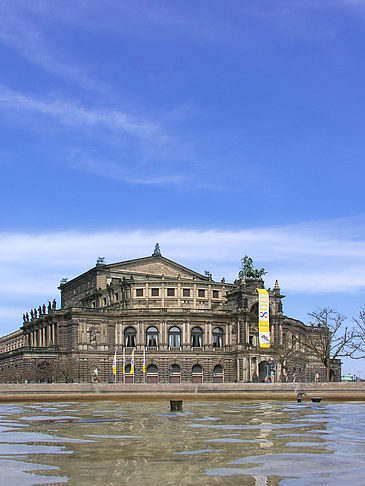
(186, 326)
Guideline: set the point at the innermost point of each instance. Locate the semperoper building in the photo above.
(165, 323)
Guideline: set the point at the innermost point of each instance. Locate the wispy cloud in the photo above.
(76, 115)
(121, 172)
(308, 258)
(134, 150)
(20, 30)
(303, 256)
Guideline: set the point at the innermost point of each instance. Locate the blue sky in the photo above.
(216, 128)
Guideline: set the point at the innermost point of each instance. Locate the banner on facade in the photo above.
(115, 364)
(264, 325)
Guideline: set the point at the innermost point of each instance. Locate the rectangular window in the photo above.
(201, 293)
(186, 292)
(174, 340)
(215, 294)
(130, 341)
(170, 292)
(155, 292)
(139, 292)
(116, 297)
(104, 301)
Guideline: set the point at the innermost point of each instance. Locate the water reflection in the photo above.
(139, 443)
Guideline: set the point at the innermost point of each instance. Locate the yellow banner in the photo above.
(115, 364)
(264, 324)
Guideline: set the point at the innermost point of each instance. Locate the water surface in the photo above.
(212, 443)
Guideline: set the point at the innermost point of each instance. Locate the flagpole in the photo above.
(123, 369)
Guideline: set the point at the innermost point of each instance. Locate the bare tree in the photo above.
(328, 338)
(359, 344)
(289, 355)
(67, 370)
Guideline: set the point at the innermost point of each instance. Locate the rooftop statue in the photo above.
(157, 251)
(247, 271)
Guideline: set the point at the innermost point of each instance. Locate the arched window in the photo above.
(174, 337)
(197, 369)
(130, 337)
(174, 368)
(217, 338)
(196, 337)
(218, 369)
(152, 368)
(152, 337)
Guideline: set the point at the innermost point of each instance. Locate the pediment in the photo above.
(155, 265)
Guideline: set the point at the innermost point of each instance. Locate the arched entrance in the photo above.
(218, 374)
(152, 374)
(197, 374)
(264, 371)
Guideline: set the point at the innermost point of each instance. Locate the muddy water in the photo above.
(212, 443)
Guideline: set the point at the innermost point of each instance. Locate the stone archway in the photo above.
(218, 374)
(197, 374)
(264, 371)
(152, 374)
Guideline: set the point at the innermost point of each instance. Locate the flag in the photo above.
(132, 363)
(115, 363)
(123, 369)
(144, 360)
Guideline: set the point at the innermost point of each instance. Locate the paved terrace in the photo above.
(180, 391)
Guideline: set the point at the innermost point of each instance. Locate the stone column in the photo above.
(209, 337)
(194, 296)
(55, 337)
(163, 290)
(163, 334)
(138, 333)
(147, 290)
(183, 337)
(249, 369)
(179, 295)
